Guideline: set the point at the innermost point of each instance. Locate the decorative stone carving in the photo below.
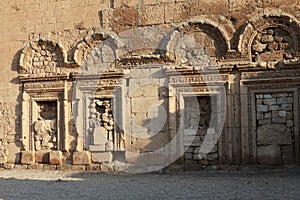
(259, 35)
(45, 129)
(194, 79)
(101, 125)
(272, 44)
(209, 34)
(87, 45)
(41, 57)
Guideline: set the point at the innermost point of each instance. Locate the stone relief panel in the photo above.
(206, 42)
(192, 154)
(41, 57)
(207, 36)
(272, 44)
(102, 126)
(45, 127)
(275, 128)
(86, 46)
(273, 37)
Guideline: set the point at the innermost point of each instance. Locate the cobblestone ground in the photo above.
(206, 184)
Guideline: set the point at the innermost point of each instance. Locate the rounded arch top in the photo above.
(41, 57)
(270, 37)
(214, 39)
(96, 41)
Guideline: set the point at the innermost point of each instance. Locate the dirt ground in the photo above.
(205, 184)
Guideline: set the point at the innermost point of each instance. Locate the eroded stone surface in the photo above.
(253, 44)
(81, 158)
(273, 134)
(55, 157)
(269, 155)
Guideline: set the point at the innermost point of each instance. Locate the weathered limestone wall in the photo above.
(25, 21)
(229, 26)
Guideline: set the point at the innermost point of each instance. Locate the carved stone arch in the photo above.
(102, 49)
(270, 38)
(211, 37)
(42, 57)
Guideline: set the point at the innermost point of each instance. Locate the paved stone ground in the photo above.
(206, 184)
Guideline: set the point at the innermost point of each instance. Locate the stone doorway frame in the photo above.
(87, 88)
(38, 90)
(177, 93)
(249, 88)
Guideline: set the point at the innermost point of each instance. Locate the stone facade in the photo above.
(146, 84)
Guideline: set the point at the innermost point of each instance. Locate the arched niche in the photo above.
(270, 38)
(97, 48)
(207, 34)
(41, 57)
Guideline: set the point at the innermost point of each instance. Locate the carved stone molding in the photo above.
(198, 79)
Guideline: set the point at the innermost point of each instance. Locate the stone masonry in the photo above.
(144, 85)
(275, 132)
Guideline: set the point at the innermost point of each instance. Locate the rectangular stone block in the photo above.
(79, 168)
(42, 156)
(286, 106)
(146, 159)
(274, 107)
(81, 158)
(289, 123)
(150, 2)
(55, 157)
(102, 157)
(49, 167)
(281, 100)
(277, 134)
(267, 96)
(289, 115)
(267, 115)
(270, 101)
(190, 132)
(288, 155)
(264, 121)
(279, 120)
(152, 14)
(189, 150)
(188, 156)
(269, 155)
(157, 72)
(190, 138)
(21, 167)
(131, 3)
(259, 115)
(27, 157)
(65, 167)
(262, 108)
(259, 101)
(94, 167)
(36, 166)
